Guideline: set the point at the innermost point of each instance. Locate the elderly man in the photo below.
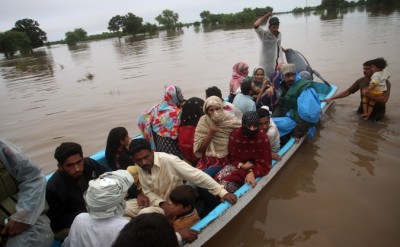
(105, 205)
(22, 191)
(290, 91)
(271, 50)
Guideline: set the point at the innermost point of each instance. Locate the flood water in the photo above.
(340, 189)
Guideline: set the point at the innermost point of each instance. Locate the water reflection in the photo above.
(32, 73)
(80, 53)
(368, 138)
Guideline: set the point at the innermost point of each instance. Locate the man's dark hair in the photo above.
(379, 62)
(147, 230)
(261, 112)
(367, 63)
(139, 144)
(213, 91)
(246, 86)
(183, 194)
(65, 150)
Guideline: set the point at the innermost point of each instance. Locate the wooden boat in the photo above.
(225, 212)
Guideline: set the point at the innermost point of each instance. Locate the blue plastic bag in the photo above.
(308, 106)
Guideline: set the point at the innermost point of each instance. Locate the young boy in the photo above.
(377, 85)
(182, 200)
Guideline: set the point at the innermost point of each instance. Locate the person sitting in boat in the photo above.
(229, 108)
(192, 110)
(250, 155)
(22, 191)
(160, 124)
(212, 135)
(117, 157)
(244, 100)
(146, 230)
(65, 188)
(160, 173)
(269, 127)
(116, 153)
(240, 71)
(361, 84)
(292, 92)
(266, 95)
(185, 214)
(105, 204)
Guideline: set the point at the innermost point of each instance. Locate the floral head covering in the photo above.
(163, 118)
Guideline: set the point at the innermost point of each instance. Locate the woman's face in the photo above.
(212, 110)
(259, 76)
(126, 140)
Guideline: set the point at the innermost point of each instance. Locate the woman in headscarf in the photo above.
(160, 124)
(240, 71)
(192, 110)
(250, 155)
(212, 135)
(116, 152)
(266, 93)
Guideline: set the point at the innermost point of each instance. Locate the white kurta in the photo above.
(271, 51)
(88, 231)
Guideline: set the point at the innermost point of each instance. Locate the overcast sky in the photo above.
(56, 17)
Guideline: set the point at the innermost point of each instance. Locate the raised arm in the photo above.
(262, 19)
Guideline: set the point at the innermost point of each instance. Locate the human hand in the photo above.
(327, 100)
(275, 156)
(188, 235)
(251, 179)
(213, 129)
(167, 210)
(13, 228)
(230, 197)
(246, 166)
(143, 200)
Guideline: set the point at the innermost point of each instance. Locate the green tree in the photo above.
(132, 23)
(31, 28)
(150, 28)
(116, 24)
(78, 35)
(71, 38)
(168, 19)
(13, 41)
(82, 34)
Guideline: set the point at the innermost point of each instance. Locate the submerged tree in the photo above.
(132, 23)
(116, 24)
(31, 28)
(78, 35)
(168, 19)
(13, 41)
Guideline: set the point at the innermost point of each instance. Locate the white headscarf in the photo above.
(105, 195)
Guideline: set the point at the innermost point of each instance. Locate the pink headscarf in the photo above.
(240, 71)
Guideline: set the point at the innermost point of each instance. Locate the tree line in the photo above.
(26, 35)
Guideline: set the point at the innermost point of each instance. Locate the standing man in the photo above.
(66, 187)
(22, 192)
(271, 50)
(361, 84)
